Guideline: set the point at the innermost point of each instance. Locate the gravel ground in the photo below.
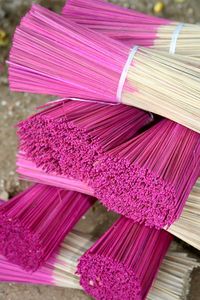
(14, 107)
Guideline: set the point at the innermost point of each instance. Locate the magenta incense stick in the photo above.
(35, 222)
(69, 137)
(52, 55)
(124, 262)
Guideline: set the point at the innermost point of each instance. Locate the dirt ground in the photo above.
(14, 107)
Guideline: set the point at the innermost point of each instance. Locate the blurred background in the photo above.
(14, 107)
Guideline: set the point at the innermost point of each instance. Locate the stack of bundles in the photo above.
(59, 269)
(146, 176)
(141, 166)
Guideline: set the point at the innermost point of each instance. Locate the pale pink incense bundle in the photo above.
(28, 171)
(35, 222)
(52, 55)
(150, 177)
(124, 262)
(132, 27)
(69, 137)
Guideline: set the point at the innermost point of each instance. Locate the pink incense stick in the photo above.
(149, 178)
(29, 172)
(35, 222)
(52, 55)
(124, 262)
(126, 25)
(69, 137)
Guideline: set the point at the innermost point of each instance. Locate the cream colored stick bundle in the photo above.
(172, 280)
(187, 42)
(161, 86)
(187, 228)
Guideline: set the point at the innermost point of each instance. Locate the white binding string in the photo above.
(124, 72)
(63, 100)
(174, 39)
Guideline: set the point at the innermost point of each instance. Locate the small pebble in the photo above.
(3, 103)
(158, 7)
(91, 282)
(10, 113)
(4, 195)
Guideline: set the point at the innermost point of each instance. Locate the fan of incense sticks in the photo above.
(187, 228)
(132, 27)
(172, 282)
(35, 222)
(147, 177)
(110, 71)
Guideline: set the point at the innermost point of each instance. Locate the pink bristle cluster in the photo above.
(125, 25)
(68, 138)
(35, 222)
(149, 178)
(123, 263)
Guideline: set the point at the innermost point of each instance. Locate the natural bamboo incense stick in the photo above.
(187, 228)
(133, 27)
(172, 282)
(110, 71)
(35, 222)
(69, 137)
(124, 262)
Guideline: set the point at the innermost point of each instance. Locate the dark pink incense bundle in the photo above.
(132, 27)
(53, 55)
(35, 222)
(68, 138)
(149, 178)
(124, 262)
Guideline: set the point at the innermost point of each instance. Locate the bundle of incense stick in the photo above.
(172, 282)
(69, 137)
(147, 178)
(124, 262)
(71, 61)
(132, 27)
(187, 228)
(36, 221)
